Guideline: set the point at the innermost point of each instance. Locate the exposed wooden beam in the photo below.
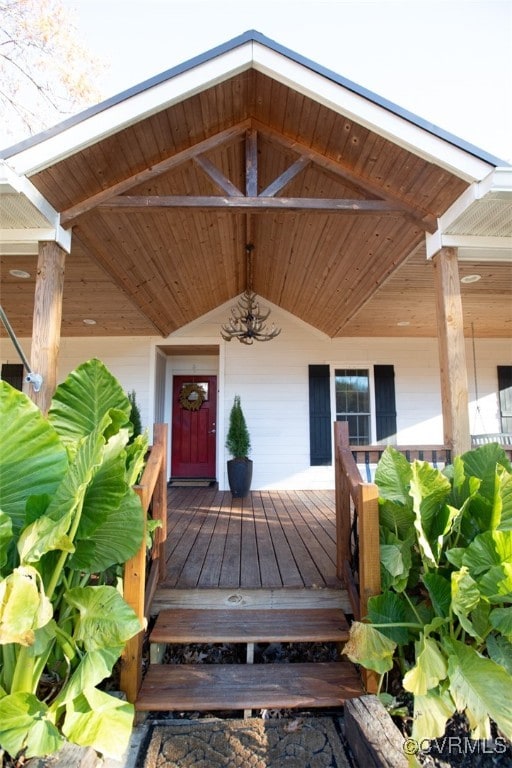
(452, 354)
(46, 323)
(142, 203)
(421, 217)
(278, 184)
(218, 178)
(68, 216)
(251, 164)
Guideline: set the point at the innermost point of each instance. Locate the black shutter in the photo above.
(13, 374)
(505, 394)
(385, 405)
(320, 415)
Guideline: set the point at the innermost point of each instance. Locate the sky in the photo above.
(447, 61)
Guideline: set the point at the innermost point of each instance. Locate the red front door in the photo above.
(194, 430)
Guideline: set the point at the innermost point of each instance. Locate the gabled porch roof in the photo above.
(342, 194)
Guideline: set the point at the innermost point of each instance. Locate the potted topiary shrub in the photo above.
(238, 443)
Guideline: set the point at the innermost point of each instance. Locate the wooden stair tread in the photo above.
(250, 626)
(203, 687)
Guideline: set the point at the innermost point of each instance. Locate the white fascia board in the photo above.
(469, 246)
(369, 114)
(296, 75)
(131, 110)
(12, 182)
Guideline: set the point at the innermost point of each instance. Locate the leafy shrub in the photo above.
(445, 613)
(238, 441)
(68, 519)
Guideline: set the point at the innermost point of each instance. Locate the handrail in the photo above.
(140, 576)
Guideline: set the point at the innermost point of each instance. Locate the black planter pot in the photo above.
(240, 476)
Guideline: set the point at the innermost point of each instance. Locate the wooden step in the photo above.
(250, 626)
(205, 687)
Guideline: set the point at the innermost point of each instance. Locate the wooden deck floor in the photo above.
(268, 540)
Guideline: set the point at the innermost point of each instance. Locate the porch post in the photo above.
(47, 321)
(452, 353)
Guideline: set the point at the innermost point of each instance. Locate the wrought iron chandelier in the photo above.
(247, 321)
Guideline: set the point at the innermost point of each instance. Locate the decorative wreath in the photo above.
(192, 397)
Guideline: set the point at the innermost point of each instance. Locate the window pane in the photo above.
(353, 403)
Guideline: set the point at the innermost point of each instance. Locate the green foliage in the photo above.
(69, 519)
(446, 613)
(238, 441)
(135, 415)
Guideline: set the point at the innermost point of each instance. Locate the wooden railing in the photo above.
(357, 518)
(143, 572)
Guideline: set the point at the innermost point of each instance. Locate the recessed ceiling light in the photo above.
(471, 278)
(19, 273)
(403, 323)
(89, 321)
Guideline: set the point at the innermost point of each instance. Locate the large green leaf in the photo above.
(465, 598)
(115, 540)
(500, 651)
(481, 688)
(80, 402)
(56, 529)
(433, 516)
(439, 590)
(431, 667)
(5, 536)
(489, 549)
(24, 606)
(106, 620)
(93, 668)
(431, 713)
(396, 560)
(393, 476)
(506, 501)
(391, 609)
(96, 719)
(26, 724)
(32, 457)
(370, 648)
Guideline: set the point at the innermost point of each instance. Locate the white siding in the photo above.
(272, 381)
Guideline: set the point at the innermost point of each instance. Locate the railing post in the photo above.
(369, 560)
(134, 592)
(160, 501)
(342, 501)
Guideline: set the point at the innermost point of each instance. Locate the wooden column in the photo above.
(452, 353)
(47, 321)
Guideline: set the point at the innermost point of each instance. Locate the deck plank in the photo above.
(268, 540)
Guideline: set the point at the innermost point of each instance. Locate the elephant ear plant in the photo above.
(69, 519)
(444, 618)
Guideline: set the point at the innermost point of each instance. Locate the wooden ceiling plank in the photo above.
(71, 214)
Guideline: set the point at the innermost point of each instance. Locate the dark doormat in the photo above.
(312, 742)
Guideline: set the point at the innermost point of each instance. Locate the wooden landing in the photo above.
(188, 687)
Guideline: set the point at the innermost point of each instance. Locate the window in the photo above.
(505, 396)
(352, 387)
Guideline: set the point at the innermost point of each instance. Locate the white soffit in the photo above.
(479, 223)
(298, 76)
(27, 217)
